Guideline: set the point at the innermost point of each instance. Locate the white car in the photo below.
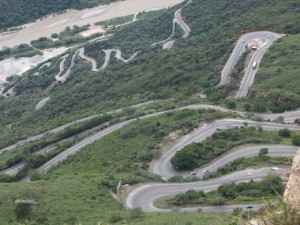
(275, 168)
(254, 65)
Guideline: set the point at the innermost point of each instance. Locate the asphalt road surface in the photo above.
(251, 70)
(265, 37)
(288, 117)
(163, 166)
(145, 196)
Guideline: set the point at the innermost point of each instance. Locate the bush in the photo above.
(263, 152)
(136, 213)
(284, 133)
(230, 104)
(296, 140)
(23, 210)
(115, 218)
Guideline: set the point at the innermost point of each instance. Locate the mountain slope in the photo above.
(192, 66)
(78, 190)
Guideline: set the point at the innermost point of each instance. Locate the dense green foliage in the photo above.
(232, 193)
(199, 154)
(244, 163)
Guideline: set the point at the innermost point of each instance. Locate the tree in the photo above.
(247, 107)
(230, 104)
(284, 133)
(23, 209)
(263, 152)
(296, 140)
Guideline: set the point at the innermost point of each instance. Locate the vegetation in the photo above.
(256, 162)
(276, 86)
(284, 133)
(279, 214)
(95, 171)
(199, 154)
(193, 66)
(296, 140)
(22, 50)
(232, 193)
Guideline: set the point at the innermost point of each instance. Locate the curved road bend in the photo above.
(163, 166)
(239, 152)
(178, 19)
(256, 58)
(63, 77)
(240, 49)
(144, 196)
(118, 55)
(91, 139)
(89, 59)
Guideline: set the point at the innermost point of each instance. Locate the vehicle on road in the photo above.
(254, 65)
(193, 173)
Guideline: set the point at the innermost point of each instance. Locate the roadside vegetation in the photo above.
(254, 162)
(279, 213)
(199, 154)
(23, 50)
(258, 192)
(32, 155)
(80, 186)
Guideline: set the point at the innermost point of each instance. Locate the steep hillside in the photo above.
(165, 65)
(191, 67)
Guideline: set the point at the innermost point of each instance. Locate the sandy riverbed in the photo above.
(54, 24)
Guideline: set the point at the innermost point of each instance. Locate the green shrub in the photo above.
(284, 133)
(296, 140)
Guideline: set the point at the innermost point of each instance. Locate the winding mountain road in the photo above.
(263, 40)
(118, 55)
(63, 77)
(144, 196)
(89, 59)
(253, 66)
(164, 168)
(288, 117)
(178, 19)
